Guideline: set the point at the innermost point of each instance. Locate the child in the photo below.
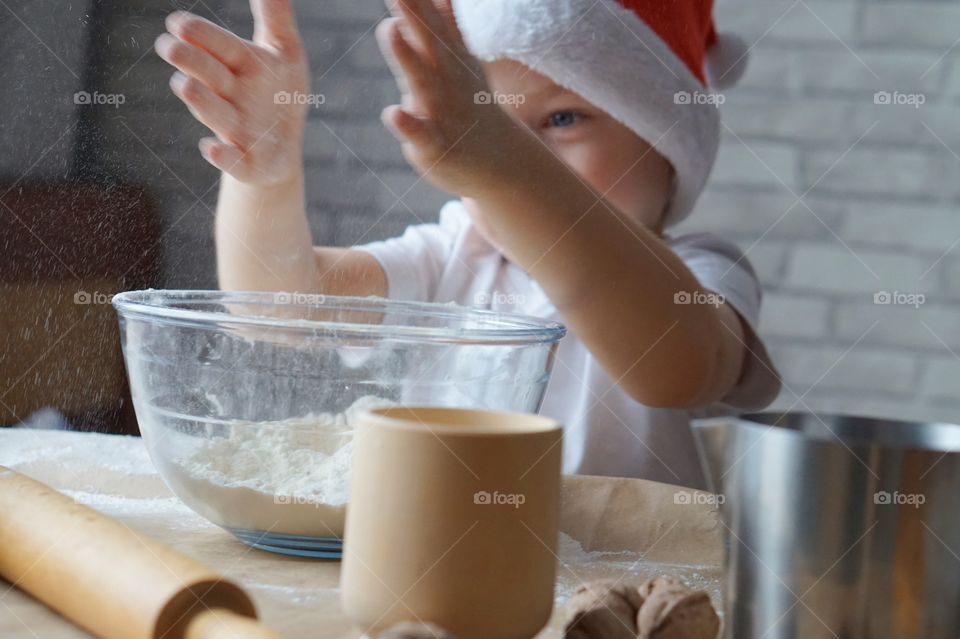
(574, 133)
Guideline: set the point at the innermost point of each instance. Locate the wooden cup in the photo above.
(452, 520)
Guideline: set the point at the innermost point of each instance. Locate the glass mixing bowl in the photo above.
(245, 400)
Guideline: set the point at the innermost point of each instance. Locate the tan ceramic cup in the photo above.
(452, 520)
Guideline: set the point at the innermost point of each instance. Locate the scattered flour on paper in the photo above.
(290, 476)
(576, 565)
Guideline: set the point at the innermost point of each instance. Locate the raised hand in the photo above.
(451, 138)
(244, 91)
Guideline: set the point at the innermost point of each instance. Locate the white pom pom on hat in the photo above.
(648, 63)
(726, 61)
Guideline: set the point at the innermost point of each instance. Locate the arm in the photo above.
(232, 85)
(612, 279)
(614, 283)
(263, 244)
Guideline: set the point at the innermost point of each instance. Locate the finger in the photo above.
(274, 23)
(196, 63)
(445, 11)
(228, 159)
(397, 18)
(414, 77)
(407, 127)
(382, 34)
(452, 33)
(417, 75)
(227, 47)
(416, 29)
(444, 45)
(211, 110)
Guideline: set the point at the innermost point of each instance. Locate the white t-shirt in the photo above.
(606, 431)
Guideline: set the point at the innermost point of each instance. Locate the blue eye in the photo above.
(563, 118)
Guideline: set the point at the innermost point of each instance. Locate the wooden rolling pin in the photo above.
(112, 581)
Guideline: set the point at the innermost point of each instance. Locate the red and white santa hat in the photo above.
(648, 63)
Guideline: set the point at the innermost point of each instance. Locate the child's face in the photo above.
(603, 152)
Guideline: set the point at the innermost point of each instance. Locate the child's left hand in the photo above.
(455, 140)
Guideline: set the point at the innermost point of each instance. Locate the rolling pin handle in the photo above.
(220, 623)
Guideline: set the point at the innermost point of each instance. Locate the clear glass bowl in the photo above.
(245, 399)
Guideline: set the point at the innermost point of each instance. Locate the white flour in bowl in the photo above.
(290, 476)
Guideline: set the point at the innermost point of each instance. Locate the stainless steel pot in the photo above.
(838, 527)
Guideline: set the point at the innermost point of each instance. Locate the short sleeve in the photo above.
(721, 267)
(415, 261)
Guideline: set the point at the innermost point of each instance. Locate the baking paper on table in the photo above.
(625, 529)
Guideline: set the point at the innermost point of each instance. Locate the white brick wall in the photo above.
(888, 202)
(925, 24)
(881, 180)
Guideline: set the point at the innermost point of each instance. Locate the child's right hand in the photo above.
(238, 88)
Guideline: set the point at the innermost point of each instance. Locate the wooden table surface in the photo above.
(611, 518)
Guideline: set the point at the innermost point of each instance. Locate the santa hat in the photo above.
(648, 63)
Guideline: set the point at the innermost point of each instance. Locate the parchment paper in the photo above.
(615, 528)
